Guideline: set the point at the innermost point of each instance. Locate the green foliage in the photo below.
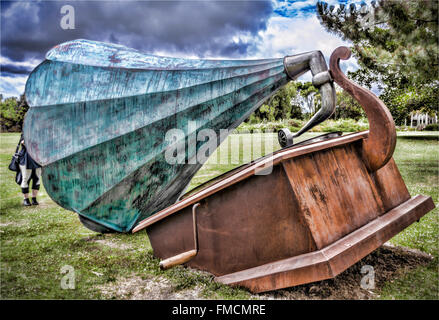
(267, 112)
(344, 125)
(432, 127)
(347, 107)
(12, 112)
(297, 101)
(8, 113)
(391, 37)
(288, 103)
(310, 96)
(396, 45)
(281, 106)
(402, 101)
(294, 125)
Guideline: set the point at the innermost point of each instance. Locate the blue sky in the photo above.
(193, 29)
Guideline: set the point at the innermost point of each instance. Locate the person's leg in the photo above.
(26, 174)
(36, 174)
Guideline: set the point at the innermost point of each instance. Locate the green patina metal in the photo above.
(99, 114)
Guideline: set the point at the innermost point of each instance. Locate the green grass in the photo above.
(417, 156)
(36, 242)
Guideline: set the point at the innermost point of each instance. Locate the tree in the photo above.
(280, 103)
(347, 107)
(390, 37)
(396, 45)
(310, 96)
(403, 101)
(281, 106)
(12, 112)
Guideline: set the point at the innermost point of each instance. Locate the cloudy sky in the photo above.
(192, 29)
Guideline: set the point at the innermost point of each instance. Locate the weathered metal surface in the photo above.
(379, 147)
(335, 258)
(314, 61)
(265, 232)
(325, 206)
(238, 228)
(244, 172)
(99, 113)
(188, 255)
(315, 205)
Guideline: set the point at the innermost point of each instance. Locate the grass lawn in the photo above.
(36, 242)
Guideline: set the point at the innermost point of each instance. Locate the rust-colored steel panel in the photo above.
(246, 171)
(242, 214)
(390, 186)
(299, 224)
(334, 259)
(332, 203)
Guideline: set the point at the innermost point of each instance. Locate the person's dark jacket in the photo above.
(25, 158)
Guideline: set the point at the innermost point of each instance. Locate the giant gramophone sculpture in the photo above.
(97, 124)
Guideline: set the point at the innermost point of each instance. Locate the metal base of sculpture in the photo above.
(302, 223)
(324, 206)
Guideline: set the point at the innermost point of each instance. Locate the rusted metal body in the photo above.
(324, 207)
(379, 146)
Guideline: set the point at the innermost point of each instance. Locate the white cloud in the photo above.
(288, 36)
(283, 36)
(12, 86)
(31, 64)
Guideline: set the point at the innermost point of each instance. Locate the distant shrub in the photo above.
(405, 128)
(432, 127)
(12, 112)
(345, 125)
(294, 125)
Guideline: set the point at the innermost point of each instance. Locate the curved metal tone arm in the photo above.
(379, 146)
(297, 65)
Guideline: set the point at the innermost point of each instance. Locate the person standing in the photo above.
(30, 170)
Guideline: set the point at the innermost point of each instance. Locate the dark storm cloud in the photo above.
(14, 69)
(202, 28)
(235, 49)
